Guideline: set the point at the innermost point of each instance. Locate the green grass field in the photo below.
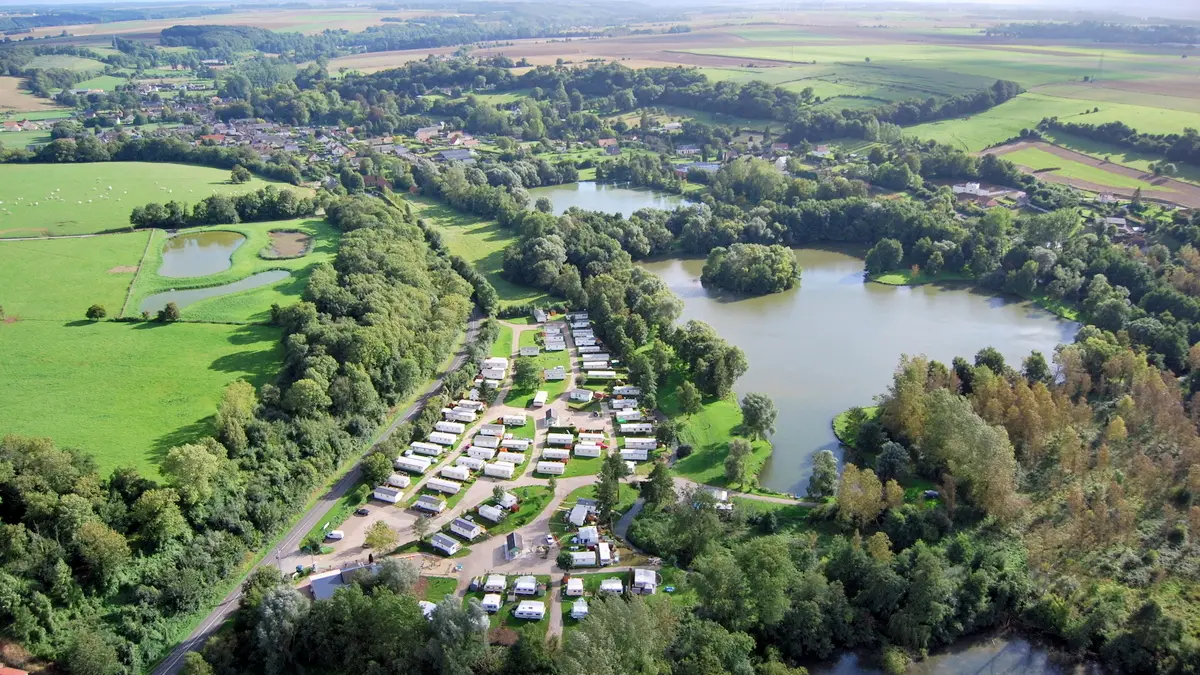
(58, 279)
(1038, 160)
(22, 139)
(105, 82)
(502, 347)
(62, 199)
(125, 393)
(250, 306)
(533, 500)
(1119, 155)
(76, 63)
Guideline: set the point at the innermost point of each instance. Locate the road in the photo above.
(291, 541)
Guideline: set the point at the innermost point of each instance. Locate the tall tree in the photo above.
(689, 398)
(758, 414)
(458, 641)
(823, 481)
(280, 614)
(735, 460)
(659, 490)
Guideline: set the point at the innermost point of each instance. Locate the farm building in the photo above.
(635, 454)
(423, 448)
(492, 513)
(589, 535)
(412, 464)
(495, 362)
(514, 457)
(560, 439)
(465, 528)
(481, 453)
(398, 480)
(527, 585)
(645, 582)
(612, 585)
(637, 428)
(456, 472)
(495, 583)
(590, 349)
(591, 436)
(583, 559)
(515, 443)
(474, 406)
(442, 438)
(602, 374)
(627, 390)
(582, 395)
(604, 553)
(491, 603)
(492, 429)
(386, 494)
(628, 416)
(539, 399)
(552, 468)
(450, 427)
(466, 416)
(556, 453)
(555, 374)
(472, 463)
(530, 351)
(445, 544)
(623, 403)
(574, 586)
(530, 609)
(485, 441)
(493, 373)
(515, 420)
(579, 609)
(439, 485)
(641, 443)
(513, 545)
(430, 503)
(499, 469)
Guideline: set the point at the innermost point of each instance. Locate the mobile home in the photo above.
(514, 457)
(474, 406)
(430, 503)
(637, 428)
(641, 443)
(624, 416)
(412, 464)
(492, 429)
(486, 441)
(612, 585)
(465, 528)
(627, 390)
(386, 494)
(466, 416)
(472, 463)
(478, 452)
(579, 609)
(398, 480)
(499, 469)
(590, 349)
(574, 586)
(515, 420)
(587, 450)
(495, 362)
(583, 559)
(553, 468)
(456, 472)
(604, 553)
(442, 438)
(539, 399)
(623, 403)
(495, 583)
(556, 453)
(560, 439)
(451, 427)
(591, 437)
(491, 603)
(445, 544)
(635, 454)
(590, 367)
(645, 582)
(582, 395)
(530, 609)
(492, 513)
(527, 585)
(515, 443)
(595, 356)
(602, 374)
(423, 448)
(439, 485)
(493, 373)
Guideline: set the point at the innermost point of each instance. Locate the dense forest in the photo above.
(751, 269)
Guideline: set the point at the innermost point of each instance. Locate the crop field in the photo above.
(303, 21)
(105, 82)
(249, 306)
(62, 199)
(1041, 162)
(1119, 155)
(15, 99)
(76, 63)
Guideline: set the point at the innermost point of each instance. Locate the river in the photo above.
(593, 196)
(833, 343)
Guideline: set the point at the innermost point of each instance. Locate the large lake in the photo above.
(592, 196)
(833, 342)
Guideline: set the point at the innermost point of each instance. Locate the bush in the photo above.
(683, 451)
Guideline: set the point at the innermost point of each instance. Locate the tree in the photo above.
(239, 175)
(659, 490)
(758, 415)
(399, 576)
(565, 560)
(892, 462)
(608, 488)
(103, 551)
(498, 493)
(280, 616)
(157, 516)
(96, 312)
(234, 412)
(884, 256)
(169, 314)
(458, 641)
(526, 374)
(381, 537)
(421, 526)
(735, 460)
(377, 468)
(823, 481)
(194, 664)
(191, 469)
(1035, 368)
(860, 496)
(689, 398)
(91, 653)
(621, 636)
(529, 657)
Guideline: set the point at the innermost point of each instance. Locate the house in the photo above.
(492, 513)
(591, 437)
(687, 150)
(969, 189)
(480, 452)
(472, 463)
(445, 544)
(582, 395)
(624, 416)
(513, 545)
(515, 443)
(555, 374)
(539, 399)
(399, 480)
(637, 428)
(465, 528)
(430, 503)
(579, 609)
(492, 429)
(530, 609)
(495, 583)
(589, 535)
(491, 603)
(578, 515)
(602, 374)
(530, 351)
(412, 464)
(422, 448)
(442, 438)
(527, 585)
(574, 586)
(507, 500)
(645, 582)
(512, 457)
(607, 142)
(386, 494)
(552, 468)
(587, 450)
(457, 472)
(583, 559)
(450, 427)
(439, 485)
(426, 134)
(623, 403)
(612, 585)
(604, 553)
(499, 469)
(514, 420)
(627, 390)
(556, 453)
(486, 441)
(635, 454)
(560, 439)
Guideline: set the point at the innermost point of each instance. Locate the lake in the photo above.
(199, 254)
(999, 655)
(834, 342)
(593, 196)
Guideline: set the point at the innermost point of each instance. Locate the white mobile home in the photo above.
(594, 356)
(513, 457)
(495, 362)
(560, 439)
(604, 553)
(530, 609)
(465, 528)
(492, 513)
(582, 395)
(474, 406)
(588, 535)
(456, 472)
(430, 503)
(386, 494)
(450, 427)
(583, 323)
(486, 441)
(530, 351)
(645, 582)
(515, 443)
(578, 316)
(492, 430)
(439, 485)
(556, 346)
(423, 448)
(579, 609)
(478, 452)
(591, 437)
(635, 454)
(493, 373)
(472, 463)
(552, 468)
(624, 416)
(526, 585)
(587, 450)
(574, 586)
(499, 469)
(507, 500)
(464, 416)
(515, 420)
(495, 583)
(602, 374)
(590, 367)
(556, 453)
(578, 515)
(623, 403)
(585, 342)
(555, 374)
(445, 544)
(627, 390)
(412, 464)
(442, 438)
(641, 443)
(583, 559)
(612, 585)
(491, 603)
(539, 399)
(589, 349)
(398, 480)
(637, 428)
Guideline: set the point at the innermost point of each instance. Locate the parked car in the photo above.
(362, 511)
(335, 535)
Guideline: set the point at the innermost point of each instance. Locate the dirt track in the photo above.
(1173, 191)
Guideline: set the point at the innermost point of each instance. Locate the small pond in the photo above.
(593, 196)
(193, 295)
(199, 254)
(999, 655)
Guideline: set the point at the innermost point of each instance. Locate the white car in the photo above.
(335, 535)
(550, 540)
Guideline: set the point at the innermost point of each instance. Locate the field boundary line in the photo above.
(138, 273)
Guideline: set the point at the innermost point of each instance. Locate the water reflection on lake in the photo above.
(834, 342)
(187, 297)
(593, 196)
(987, 656)
(199, 254)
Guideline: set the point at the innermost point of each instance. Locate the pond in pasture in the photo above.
(199, 254)
(186, 297)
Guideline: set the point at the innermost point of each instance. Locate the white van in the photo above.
(335, 535)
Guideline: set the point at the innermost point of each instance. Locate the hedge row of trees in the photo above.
(1181, 147)
(265, 204)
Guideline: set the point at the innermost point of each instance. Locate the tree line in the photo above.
(1181, 147)
(265, 204)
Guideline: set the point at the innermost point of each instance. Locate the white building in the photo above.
(386, 494)
(472, 463)
(591, 437)
(464, 416)
(499, 469)
(539, 399)
(457, 472)
(578, 515)
(602, 374)
(423, 448)
(530, 609)
(580, 324)
(492, 513)
(642, 443)
(623, 403)
(530, 351)
(486, 441)
(637, 428)
(588, 535)
(493, 373)
(556, 346)
(526, 585)
(604, 553)
(583, 559)
(579, 609)
(635, 454)
(480, 452)
(495, 362)
(474, 406)
(556, 453)
(552, 468)
(430, 503)
(624, 416)
(513, 457)
(585, 342)
(516, 443)
(412, 464)
(507, 500)
(574, 586)
(594, 356)
(612, 585)
(439, 485)
(445, 544)
(398, 480)
(587, 450)
(645, 582)
(590, 367)
(582, 395)
(589, 349)
(560, 439)
(495, 583)
(555, 374)
(491, 603)
(465, 528)
(492, 429)
(442, 438)
(451, 427)
(627, 390)
(515, 420)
